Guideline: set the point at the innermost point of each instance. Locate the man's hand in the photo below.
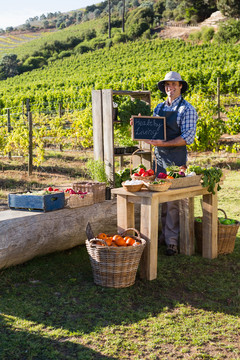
(156, 142)
(131, 120)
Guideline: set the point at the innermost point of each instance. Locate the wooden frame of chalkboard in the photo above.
(149, 128)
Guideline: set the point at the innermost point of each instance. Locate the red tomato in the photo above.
(141, 171)
(145, 173)
(50, 188)
(136, 174)
(150, 172)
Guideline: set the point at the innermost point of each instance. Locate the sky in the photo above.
(16, 12)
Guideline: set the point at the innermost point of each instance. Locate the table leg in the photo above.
(209, 226)
(125, 213)
(149, 231)
(186, 222)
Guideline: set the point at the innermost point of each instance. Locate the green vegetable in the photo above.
(135, 170)
(210, 176)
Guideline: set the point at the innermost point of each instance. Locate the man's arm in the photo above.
(178, 141)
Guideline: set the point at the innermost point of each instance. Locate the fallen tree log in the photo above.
(25, 235)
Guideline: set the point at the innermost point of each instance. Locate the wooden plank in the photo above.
(149, 231)
(209, 224)
(125, 214)
(108, 141)
(186, 218)
(97, 125)
(169, 195)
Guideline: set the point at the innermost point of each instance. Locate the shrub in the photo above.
(65, 54)
(229, 31)
(34, 62)
(81, 48)
(195, 36)
(207, 33)
(136, 30)
(120, 38)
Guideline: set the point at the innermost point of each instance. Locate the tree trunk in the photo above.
(123, 17)
(109, 19)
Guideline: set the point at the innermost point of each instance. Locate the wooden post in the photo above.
(60, 115)
(9, 129)
(97, 125)
(108, 141)
(218, 97)
(28, 105)
(210, 226)
(23, 108)
(30, 155)
(60, 109)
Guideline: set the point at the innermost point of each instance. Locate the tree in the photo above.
(9, 66)
(229, 8)
(159, 7)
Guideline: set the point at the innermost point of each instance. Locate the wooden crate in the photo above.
(31, 202)
(184, 182)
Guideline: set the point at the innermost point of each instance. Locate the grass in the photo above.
(50, 307)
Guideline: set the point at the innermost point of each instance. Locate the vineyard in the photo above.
(130, 66)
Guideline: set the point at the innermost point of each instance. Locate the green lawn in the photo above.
(51, 309)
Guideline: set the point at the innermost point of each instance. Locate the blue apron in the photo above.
(165, 155)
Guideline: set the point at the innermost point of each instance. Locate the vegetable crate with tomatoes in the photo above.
(115, 259)
(44, 200)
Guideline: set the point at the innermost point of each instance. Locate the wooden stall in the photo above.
(149, 202)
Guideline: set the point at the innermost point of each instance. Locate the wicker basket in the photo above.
(115, 266)
(145, 178)
(164, 186)
(76, 201)
(132, 188)
(226, 236)
(98, 189)
(185, 181)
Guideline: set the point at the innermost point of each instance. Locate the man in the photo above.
(181, 120)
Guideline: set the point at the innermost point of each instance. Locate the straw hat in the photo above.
(173, 76)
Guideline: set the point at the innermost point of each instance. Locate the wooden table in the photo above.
(149, 219)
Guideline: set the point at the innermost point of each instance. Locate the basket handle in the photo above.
(141, 161)
(223, 213)
(132, 159)
(133, 229)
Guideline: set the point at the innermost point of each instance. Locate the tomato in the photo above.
(162, 175)
(141, 171)
(136, 174)
(145, 173)
(150, 172)
(50, 188)
(119, 240)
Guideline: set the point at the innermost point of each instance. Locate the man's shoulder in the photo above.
(187, 105)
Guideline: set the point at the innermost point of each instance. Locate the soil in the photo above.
(178, 30)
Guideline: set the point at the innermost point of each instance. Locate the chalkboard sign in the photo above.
(149, 128)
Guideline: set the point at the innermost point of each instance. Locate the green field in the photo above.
(51, 308)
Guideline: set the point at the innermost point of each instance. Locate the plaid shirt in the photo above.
(186, 117)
